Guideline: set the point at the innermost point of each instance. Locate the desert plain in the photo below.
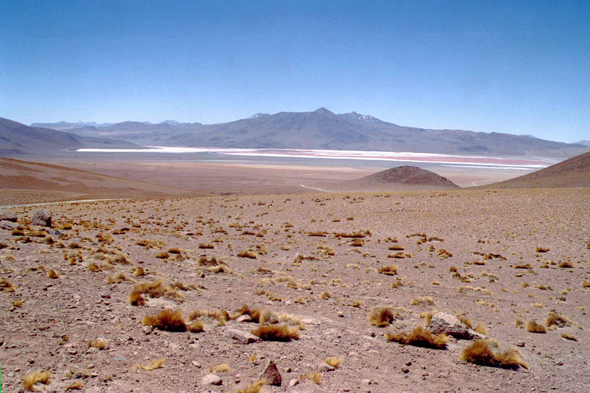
(79, 298)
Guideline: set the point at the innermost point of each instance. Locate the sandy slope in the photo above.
(26, 182)
(50, 330)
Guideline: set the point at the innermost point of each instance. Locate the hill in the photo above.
(571, 173)
(402, 178)
(323, 129)
(17, 138)
(26, 182)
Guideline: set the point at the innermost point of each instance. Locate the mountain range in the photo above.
(323, 129)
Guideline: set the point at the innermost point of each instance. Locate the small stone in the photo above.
(293, 382)
(405, 370)
(211, 379)
(196, 364)
(147, 329)
(7, 216)
(271, 374)
(325, 367)
(409, 363)
(242, 337)
(244, 318)
(520, 344)
(366, 381)
(8, 225)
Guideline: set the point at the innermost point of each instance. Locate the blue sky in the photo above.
(521, 67)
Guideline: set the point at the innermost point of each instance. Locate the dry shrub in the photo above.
(18, 303)
(6, 285)
(152, 289)
(99, 343)
(420, 337)
(558, 320)
(279, 332)
(118, 278)
(586, 284)
(168, 320)
(52, 274)
(156, 363)
(486, 353)
(220, 368)
(247, 254)
(219, 315)
(400, 255)
(256, 387)
(333, 361)
(326, 295)
(138, 272)
(396, 247)
(162, 255)
(253, 313)
(442, 253)
(566, 265)
(206, 246)
(34, 378)
(93, 267)
(422, 301)
(388, 270)
(196, 327)
(465, 321)
(481, 329)
(381, 316)
(357, 243)
(203, 261)
(542, 249)
(76, 385)
(569, 336)
(533, 326)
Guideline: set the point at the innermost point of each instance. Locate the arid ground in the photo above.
(499, 258)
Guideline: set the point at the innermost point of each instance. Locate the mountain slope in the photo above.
(571, 173)
(323, 129)
(17, 138)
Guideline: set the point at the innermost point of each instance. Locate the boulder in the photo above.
(271, 374)
(8, 225)
(449, 324)
(242, 337)
(42, 217)
(7, 216)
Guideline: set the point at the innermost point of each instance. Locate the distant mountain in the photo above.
(64, 125)
(17, 138)
(584, 142)
(571, 173)
(323, 129)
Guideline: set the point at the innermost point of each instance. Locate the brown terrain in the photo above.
(429, 290)
(574, 172)
(27, 182)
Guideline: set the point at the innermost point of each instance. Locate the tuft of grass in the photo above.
(569, 336)
(586, 284)
(34, 378)
(421, 337)
(256, 387)
(156, 363)
(333, 361)
(388, 270)
(99, 343)
(566, 265)
(486, 353)
(52, 274)
(168, 320)
(542, 249)
(247, 254)
(6, 285)
(220, 368)
(196, 327)
(533, 326)
(481, 329)
(558, 320)
(253, 313)
(381, 316)
(76, 385)
(424, 300)
(278, 332)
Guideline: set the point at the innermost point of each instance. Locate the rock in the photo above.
(8, 225)
(244, 318)
(325, 367)
(41, 217)
(241, 337)
(449, 324)
(271, 374)
(196, 364)
(211, 379)
(147, 329)
(366, 381)
(293, 382)
(7, 216)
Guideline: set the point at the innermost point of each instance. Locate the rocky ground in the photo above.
(496, 258)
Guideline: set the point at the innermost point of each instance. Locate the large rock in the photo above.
(8, 225)
(451, 325)
(7, 216)
(211, 379)
(271, 374)
(42, 217)
(242, 337)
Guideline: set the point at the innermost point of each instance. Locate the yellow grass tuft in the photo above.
(156, 363)
(381, 316)
(333, 361)
(486, 353)
(388, 270)
(420, 301)
(256, 387)
(220, 368)
(278, 332)
(99, 343)
(421, 337)
(196, 327)
(247, 254)
(253, 313)
(558, 320)
(168, 320)
(533, 326)
(34, 378)
(76, 385)
(6, 285)
(569, 336)
(52, 274)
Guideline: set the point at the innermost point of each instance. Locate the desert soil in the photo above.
(294, 274)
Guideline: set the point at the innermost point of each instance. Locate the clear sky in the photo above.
(521, 67)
